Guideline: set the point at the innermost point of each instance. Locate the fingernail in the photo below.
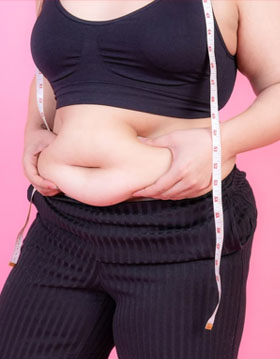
(53, 186)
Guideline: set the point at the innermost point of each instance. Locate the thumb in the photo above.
(156, 141)
(142, 139)
(40, 148)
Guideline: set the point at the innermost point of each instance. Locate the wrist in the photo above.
(33, 134)
(226, 142)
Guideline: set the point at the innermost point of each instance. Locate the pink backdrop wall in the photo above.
(261, 332)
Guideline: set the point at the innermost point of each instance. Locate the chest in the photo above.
(168, 36)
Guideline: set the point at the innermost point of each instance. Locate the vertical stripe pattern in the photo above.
(137, 275)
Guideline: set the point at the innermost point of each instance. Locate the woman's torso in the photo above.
(95, 136)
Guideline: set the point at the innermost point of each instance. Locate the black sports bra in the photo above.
(153, 59)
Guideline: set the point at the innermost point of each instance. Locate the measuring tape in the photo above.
(216, 155)
(19, 239)
(216, 152)
(40, 93)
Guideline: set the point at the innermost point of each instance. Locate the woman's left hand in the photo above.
(191, 168)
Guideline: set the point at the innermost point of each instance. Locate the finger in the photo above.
(47, 192)
(43, 183)
(161, 141)
(161, 185)
(173, 192)
(190, 192)
(40, 149)
(43, 188)
(30, 167)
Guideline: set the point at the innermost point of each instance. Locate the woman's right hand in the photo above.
(36, 142)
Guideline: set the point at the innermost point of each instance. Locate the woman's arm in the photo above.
(36, 136)
(34, 119)
(258, 57)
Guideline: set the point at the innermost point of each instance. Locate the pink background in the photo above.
(261, 332)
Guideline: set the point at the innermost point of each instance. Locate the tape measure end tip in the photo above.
(208, 326)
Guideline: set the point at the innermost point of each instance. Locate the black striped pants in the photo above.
(137, 275)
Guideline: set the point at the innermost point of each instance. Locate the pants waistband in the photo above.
(142, 231)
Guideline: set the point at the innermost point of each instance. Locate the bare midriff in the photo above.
(96, 157)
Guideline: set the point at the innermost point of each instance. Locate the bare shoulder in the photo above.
(38, 7)
(258, 50)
